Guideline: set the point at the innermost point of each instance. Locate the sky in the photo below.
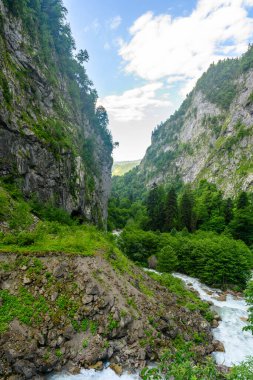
(146, 55)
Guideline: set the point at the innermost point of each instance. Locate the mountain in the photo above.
(211, 135)
(54, 143)
(122, 167)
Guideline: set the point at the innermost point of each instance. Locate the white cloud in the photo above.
(133, 104)
(182, 48)
(115, 22)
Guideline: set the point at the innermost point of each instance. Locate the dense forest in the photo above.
(193, 230)
(81, 294)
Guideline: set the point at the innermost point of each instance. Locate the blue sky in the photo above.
(146, 55)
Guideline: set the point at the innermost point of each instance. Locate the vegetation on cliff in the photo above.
(48, 112)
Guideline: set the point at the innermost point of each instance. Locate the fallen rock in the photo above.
(116, 368)
(218, 346)
(27, 280)
(97, 366)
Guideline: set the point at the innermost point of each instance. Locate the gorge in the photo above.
(75, 302)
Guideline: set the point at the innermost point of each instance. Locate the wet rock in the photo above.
(97, 366)
(218, 346)
(116, 368)
(214, 323)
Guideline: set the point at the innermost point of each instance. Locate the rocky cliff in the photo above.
(52, 141)
(211, 135)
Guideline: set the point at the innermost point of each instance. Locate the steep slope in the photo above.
(72, 311)
(53, 142)
(122, 167)
(211, 135)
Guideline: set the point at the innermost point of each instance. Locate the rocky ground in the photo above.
(59, 311)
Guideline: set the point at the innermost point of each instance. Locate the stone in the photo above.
(92, 290)
(27, 280)
(214, 323)
(97, 366)
(116, 368)
(218, 346)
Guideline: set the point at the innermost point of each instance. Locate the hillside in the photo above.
(79, 302)
(54, 143)
(122, 167)
(211, 135)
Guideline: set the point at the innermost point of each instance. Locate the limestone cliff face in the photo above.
(205, 139)
(48, 141)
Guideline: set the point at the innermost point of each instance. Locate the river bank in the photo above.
(230, 310)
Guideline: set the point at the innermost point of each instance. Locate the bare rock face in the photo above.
(91, 315)
(32, 152)
(203, 140)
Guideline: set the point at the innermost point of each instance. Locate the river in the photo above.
(233, 312)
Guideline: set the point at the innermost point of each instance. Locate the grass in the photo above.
(23, 306)
(54, 237)
(185, 297)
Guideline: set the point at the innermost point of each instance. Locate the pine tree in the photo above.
(242, 201)
(228, 210)
(186, 210)
(155, 208)
(171, 210)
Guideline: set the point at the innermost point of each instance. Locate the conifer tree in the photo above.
(186, 210)
(155, 208)
(171, 210)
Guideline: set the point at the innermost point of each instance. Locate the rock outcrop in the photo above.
(50, 143)
(73, 311)
(211, 135)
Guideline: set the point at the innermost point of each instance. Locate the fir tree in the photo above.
(186, 210)
(171, 210)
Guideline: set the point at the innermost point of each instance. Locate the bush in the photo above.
(167, 259)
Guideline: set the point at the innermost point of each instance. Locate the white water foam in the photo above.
(233, 312)
(106, 374)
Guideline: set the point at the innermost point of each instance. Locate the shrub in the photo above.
(167, 259)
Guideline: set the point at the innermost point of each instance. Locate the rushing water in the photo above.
(233, 312)
(106, 374)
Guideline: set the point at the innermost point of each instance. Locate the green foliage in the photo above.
(24, 306)
(249, 300)
(167, 259)
(85, 343)
(181, 366)
(50, 213)
(243, 371)
(112, 323)
(54, 237)
(185, 297)
(155, 207)
(215, 259)
(171, 210)
(186, 210)
(138, 245)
